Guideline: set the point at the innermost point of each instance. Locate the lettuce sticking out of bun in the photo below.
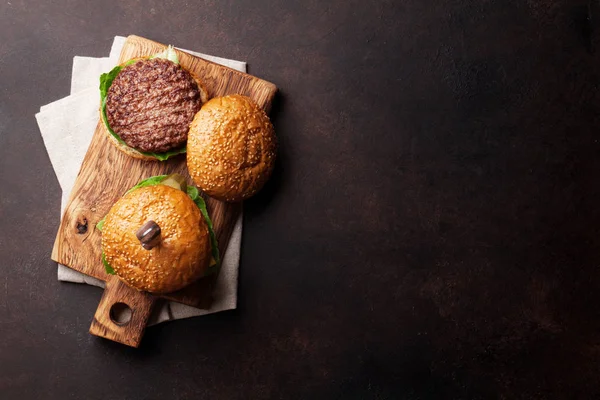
(159, 237)
(148, 103)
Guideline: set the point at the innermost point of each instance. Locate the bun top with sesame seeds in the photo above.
(231, 148)
(179, 257)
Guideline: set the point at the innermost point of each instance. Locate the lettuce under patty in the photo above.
(107, 79)
(194, 194)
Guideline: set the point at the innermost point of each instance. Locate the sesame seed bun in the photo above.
(231, 148)
(183, 252)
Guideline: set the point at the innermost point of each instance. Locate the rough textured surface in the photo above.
(151, 104)
(183, 253)
(431, 230)
(231, 148)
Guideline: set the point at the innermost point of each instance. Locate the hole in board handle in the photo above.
(120, 314)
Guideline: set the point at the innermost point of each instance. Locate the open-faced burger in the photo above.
(147, 105)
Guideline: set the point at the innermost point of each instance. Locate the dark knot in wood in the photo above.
(82, 225)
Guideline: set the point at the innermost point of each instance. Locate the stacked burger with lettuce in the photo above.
(159, 237)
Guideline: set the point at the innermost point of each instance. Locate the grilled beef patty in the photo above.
(151, 104)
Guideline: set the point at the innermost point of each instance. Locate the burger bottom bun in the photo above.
(130, 151)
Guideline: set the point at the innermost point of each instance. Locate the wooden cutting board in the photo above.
(106, 174)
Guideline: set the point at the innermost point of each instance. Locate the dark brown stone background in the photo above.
(432, 231)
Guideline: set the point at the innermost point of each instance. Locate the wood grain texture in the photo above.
(106, 174)
(131, 332)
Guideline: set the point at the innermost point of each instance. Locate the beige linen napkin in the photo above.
(67, 126)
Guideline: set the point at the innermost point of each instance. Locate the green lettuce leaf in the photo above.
(106, 80)
(107, 267)
(194, 194)
(100, 224)
(192, 191)
(153, 180)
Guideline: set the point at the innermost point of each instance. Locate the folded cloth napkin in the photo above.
(67, 126)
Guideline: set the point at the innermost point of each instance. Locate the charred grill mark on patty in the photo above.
(151, 104)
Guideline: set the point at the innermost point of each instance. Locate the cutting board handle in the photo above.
(123, 313)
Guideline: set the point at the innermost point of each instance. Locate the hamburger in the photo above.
(147, 105)
(231, 148)
(158, 237)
